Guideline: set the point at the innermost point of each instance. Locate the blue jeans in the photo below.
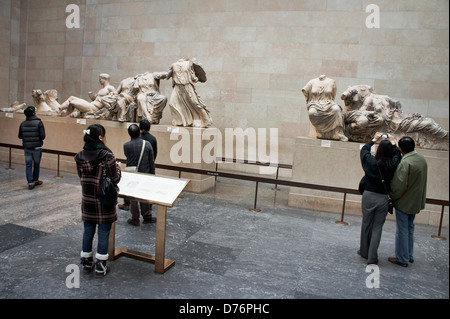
(404, 236)
(102, 236)
(32, 156)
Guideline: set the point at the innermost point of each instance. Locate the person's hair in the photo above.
(406, 144)
(29, 111)
(384, 154)
(93, 132)
(144, 125)
(133, 130)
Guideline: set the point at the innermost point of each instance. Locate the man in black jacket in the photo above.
(32, 134)
(144, 125)
(133, 150)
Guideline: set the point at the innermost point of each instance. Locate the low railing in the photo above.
(253, 178)
(225, 160)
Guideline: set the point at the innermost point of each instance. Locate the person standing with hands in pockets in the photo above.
(409, 192)
(32, 134)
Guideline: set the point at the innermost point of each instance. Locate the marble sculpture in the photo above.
(324, 113)
(150, 101)
(367, 112)
(105, 97)
(186, 107)
(137, 97)
(16, 106)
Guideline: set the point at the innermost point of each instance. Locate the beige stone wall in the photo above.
(258, 54)
(5, 37)
(9, 50)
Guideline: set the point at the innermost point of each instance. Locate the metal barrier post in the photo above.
(57, 170)
(9, 167)
(179, 176)
(254, 209)
(276, 185)
(217, 164)
(438, 236)
(341, 222)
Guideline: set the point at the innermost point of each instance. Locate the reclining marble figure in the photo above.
(105, 97)
(16, 106)
(367, 113)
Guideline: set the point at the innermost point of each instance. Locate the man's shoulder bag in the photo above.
(136, 168)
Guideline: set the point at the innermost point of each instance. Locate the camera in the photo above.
(384, 136)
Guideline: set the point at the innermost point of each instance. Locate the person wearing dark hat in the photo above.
(32, 134)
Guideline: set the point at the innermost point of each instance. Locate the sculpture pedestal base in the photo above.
(66, 134)
(183, 146)
(334, 163)
(329, 163)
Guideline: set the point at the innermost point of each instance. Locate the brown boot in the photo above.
(124, 207)
(132, 222)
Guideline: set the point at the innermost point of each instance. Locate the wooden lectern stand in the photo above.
(151, 189)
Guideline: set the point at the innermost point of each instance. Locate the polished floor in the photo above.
(222, 250)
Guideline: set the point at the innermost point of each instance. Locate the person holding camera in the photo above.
(379, 171)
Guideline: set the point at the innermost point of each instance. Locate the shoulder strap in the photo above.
(382, 180)
(142, 152)
(104, 166)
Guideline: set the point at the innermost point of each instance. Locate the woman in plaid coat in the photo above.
(90, 164)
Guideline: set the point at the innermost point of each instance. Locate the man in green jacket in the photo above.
(408, 190)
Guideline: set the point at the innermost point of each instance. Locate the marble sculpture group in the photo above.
(139, 97)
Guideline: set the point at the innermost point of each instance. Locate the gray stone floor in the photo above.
(221, 249)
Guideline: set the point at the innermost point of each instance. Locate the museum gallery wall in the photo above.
(249, 64)
(258, 54)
